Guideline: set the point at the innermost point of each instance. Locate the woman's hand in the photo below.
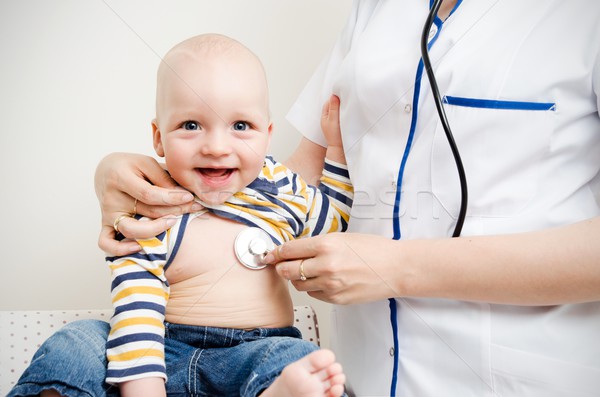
(123, 178)
(340, 268)
(532, 268)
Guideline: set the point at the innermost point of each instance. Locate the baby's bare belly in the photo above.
(210, 287)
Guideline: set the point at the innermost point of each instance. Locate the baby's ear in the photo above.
(156, 139)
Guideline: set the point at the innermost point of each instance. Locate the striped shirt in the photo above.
(278, 201)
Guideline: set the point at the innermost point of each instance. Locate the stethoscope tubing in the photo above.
(464, 193)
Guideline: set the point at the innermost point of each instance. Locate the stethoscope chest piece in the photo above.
(251, 246)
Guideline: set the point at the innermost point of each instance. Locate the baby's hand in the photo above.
(330, 124)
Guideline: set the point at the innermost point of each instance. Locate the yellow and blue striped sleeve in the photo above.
(139, 292)
(330, 203)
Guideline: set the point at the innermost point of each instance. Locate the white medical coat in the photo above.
(521, 80)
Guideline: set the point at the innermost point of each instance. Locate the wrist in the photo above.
(336, 153)
(409, 268)
(151, 387)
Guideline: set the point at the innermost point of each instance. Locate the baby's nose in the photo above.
(216, 144)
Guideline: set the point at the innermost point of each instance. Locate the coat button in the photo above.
(407, 108)
(432, 32)
(392, 351)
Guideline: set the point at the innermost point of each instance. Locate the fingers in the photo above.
(158, 211)
(145, 188)
(130, 183)
(330, 125)
(114, 204)
(295, 249)
(312, 282)
(293, 270)
(331, 109)
(108, 244)
(157, 174)
(155, 186)
(325, 111)
(122, 177)
(133, 228)
(292, 261)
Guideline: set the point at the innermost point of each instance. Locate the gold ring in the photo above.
(135, 207)
(302, 275)
(118, 220)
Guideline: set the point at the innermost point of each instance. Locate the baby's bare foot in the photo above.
(316, 375)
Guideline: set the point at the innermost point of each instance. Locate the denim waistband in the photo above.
(203, 337)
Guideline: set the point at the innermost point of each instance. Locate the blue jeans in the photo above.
(201, 361)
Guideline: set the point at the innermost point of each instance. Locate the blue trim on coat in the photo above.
(499, 104)
(396, 217)
(394, 322)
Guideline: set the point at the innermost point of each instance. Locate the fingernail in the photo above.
(179, 197)
(197, 207)
(187, 196)
(170, 221)
(269, 258)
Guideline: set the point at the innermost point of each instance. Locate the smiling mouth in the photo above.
(215, 173)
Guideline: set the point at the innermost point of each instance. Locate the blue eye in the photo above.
(190, 125)
(240, 126)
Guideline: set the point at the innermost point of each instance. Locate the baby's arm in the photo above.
(332, 200)
(135, 346)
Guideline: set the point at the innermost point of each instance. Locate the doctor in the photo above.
(512, 307)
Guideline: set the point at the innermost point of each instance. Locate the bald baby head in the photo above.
(208, 54)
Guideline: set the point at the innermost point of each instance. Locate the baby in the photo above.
(189, 308)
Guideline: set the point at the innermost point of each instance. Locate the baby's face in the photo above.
(213, 125)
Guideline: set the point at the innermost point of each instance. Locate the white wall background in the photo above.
(77, 81)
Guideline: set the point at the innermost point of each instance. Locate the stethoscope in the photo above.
(253, 244)
(442, 116)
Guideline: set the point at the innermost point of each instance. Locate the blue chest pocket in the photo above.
(502, 143)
